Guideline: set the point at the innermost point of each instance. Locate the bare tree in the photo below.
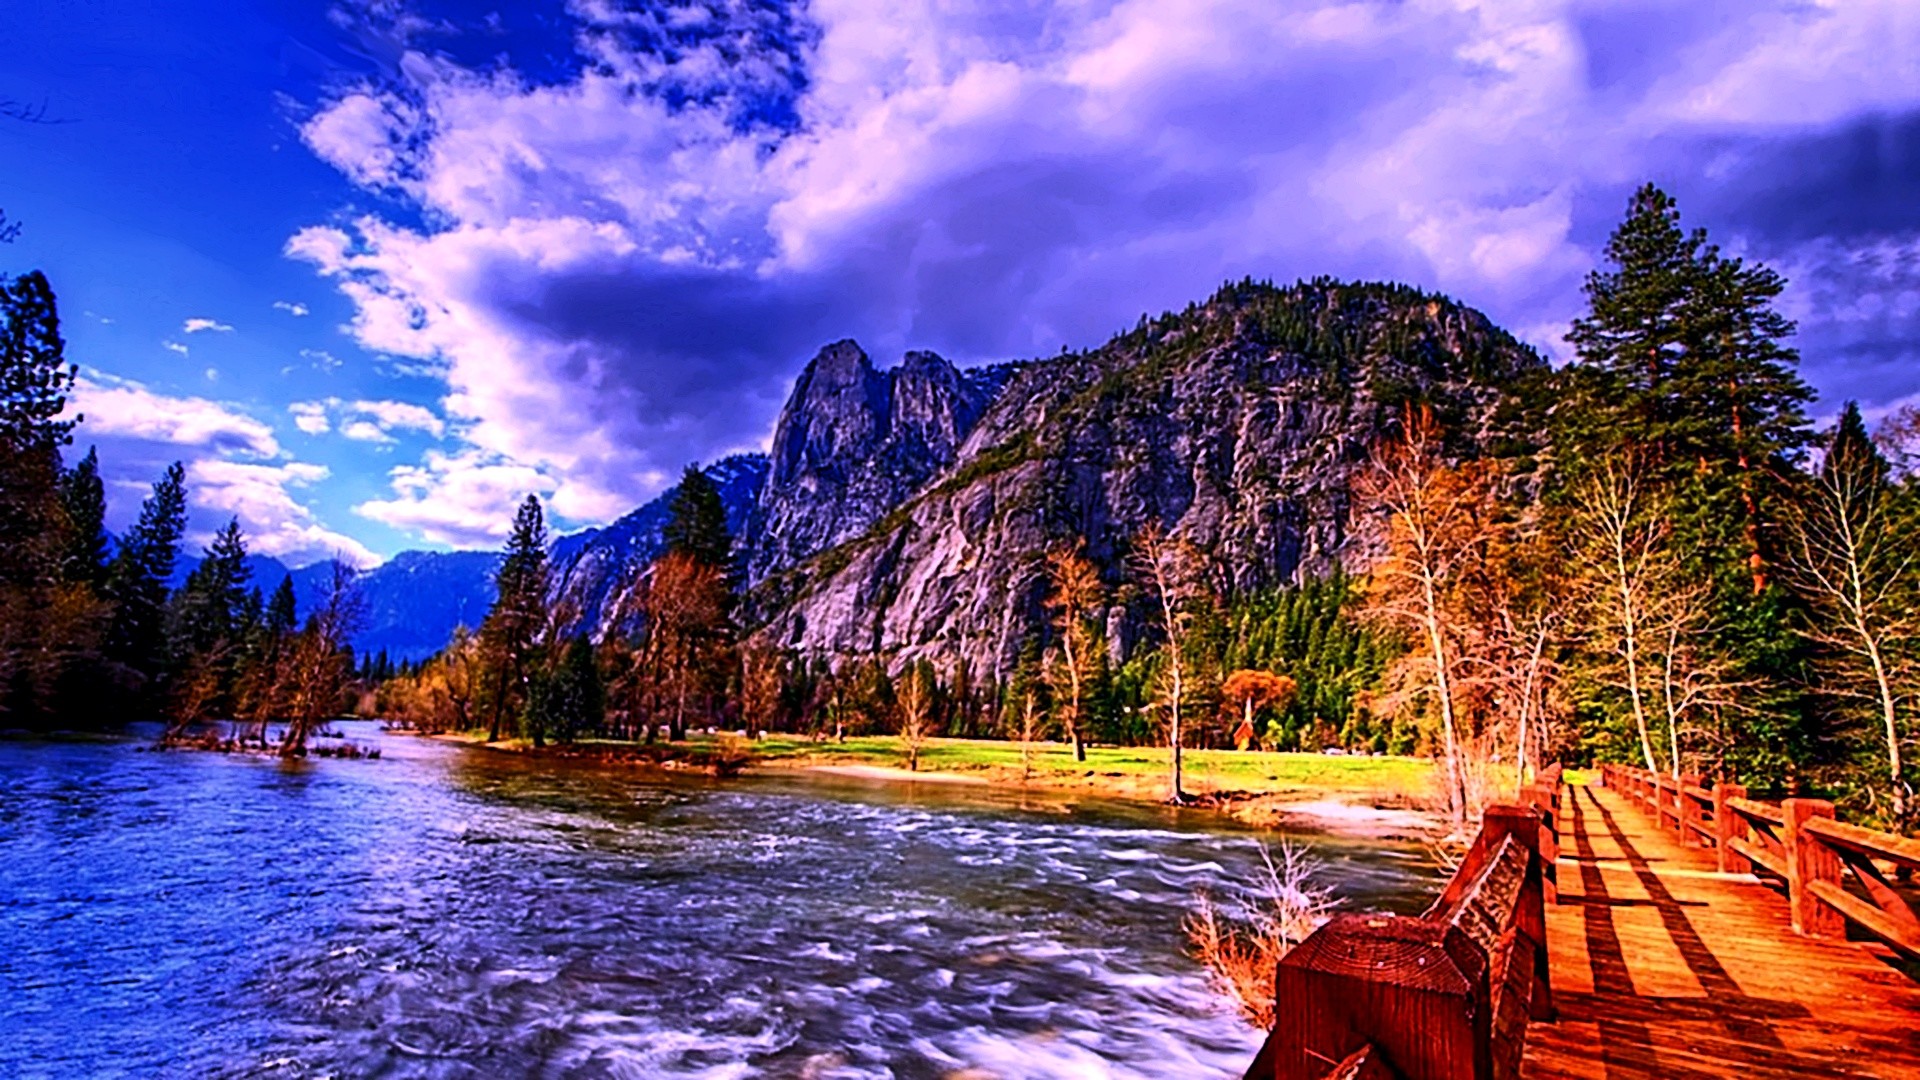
(1619, 546)
(1848, 559)
(1075, 593)
(1030, 716)
(683, 603)
(915, 702)
(1437, 529)
(760, 684)
(318, 662)
(1240, 939)
(1169, 569)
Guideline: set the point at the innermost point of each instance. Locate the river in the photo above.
(455, 912)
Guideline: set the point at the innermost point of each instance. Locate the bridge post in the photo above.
(1689, 811)
(1808, 861)
(1528, 827)
(1541, 798)
(1417, 991)
(1728, 825)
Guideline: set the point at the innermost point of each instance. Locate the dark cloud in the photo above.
(1851, 181)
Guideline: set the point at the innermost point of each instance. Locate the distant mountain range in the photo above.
(905, 512)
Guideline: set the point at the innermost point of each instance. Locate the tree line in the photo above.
(91, 630)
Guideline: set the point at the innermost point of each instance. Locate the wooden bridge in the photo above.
(1639, 927)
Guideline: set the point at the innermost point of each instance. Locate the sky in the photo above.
(377, 269)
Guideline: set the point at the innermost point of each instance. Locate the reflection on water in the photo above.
(448, 913)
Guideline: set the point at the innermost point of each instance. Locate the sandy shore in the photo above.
(909, 776)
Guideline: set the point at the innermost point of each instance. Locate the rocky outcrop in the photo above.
(854, 442)
(1238, 424)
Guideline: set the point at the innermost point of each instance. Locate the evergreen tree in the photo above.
(282, 611)
(34, 381)
(697, 522)
(569, 699)
(209, 627)
(83, 498)
(1684, 368)
(137, 580)
(519, 608)
(46, 625)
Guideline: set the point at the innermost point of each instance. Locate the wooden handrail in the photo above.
(1446, 996)
(1797, 841)
(1869, 842)
(1758, 811)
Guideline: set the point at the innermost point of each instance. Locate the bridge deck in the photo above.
(1665, 969)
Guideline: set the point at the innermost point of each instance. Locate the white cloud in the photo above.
(322, 359)
(310, 417)
(174, 346)
(276, 524)
(127, 409)
(195, 326)
(402, 416)
(372, 421)
(456, 499)
(235, 466)
(365, 431)
(290, 307)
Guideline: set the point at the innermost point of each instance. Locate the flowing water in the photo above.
(451, 912)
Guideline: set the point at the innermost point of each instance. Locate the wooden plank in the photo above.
(1760, 856)
(1728, 827)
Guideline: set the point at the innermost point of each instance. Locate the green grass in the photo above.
(1129, 771)
(1217, 769)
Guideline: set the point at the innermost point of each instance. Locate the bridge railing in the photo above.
(1834, 873)
(1445, 996)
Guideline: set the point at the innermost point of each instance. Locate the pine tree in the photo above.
(519, 608)
(209, 628)
(34, 381)
(137, 580)
(282, 611)
(1684, 367)
(697, 522)
(46, 627)
(83, 499)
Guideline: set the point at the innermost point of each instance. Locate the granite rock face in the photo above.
(853, 443)
(1238, 424)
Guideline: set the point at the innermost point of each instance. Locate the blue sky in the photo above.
(377, 269)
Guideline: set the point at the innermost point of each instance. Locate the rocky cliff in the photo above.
(854, 442)
(1238, 424)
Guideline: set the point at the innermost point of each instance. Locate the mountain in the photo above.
(906, 512)
(414, 600)
(1238, 424)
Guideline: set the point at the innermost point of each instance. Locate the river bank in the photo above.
(1371, 795)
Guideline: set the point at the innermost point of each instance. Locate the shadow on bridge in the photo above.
(1667, 969)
